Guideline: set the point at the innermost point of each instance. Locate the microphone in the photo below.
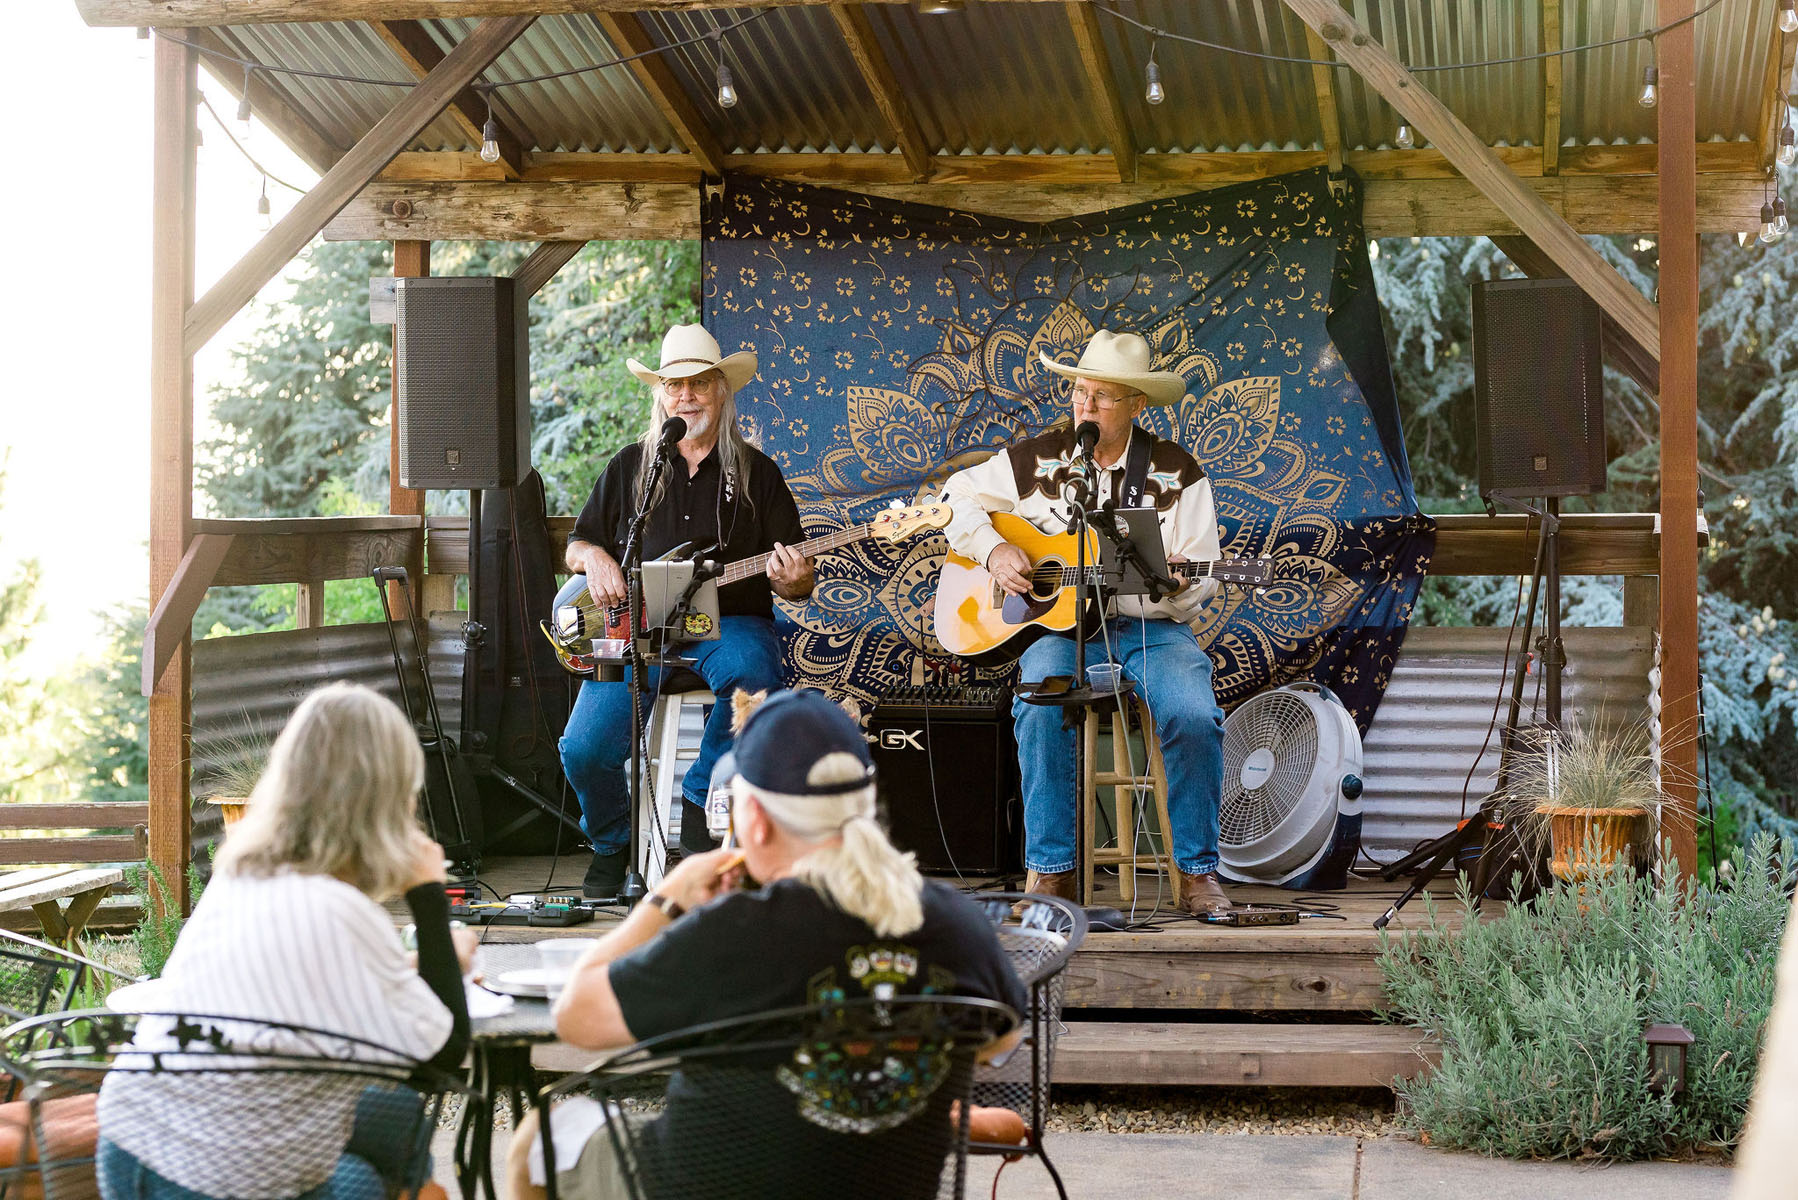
(1087, 435)
(673, 430)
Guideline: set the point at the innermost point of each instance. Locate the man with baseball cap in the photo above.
(717, 491)
(1112, 383)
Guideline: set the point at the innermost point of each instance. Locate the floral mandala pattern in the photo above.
(899, 343)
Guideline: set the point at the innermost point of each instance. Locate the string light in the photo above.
(142, 47)
(1780, 224)
(1404, 139)
(1154, 93)
(937, 8)
(262, 205)
(1650, 94)
(727, 91)
(1769, 232)
(243, 104)
(1788, 146)
(489, 133)
(1788, 17)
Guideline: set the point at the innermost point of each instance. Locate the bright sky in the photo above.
(76, 207)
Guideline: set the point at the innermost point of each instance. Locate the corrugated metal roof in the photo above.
(1433, 718)
(1007, 78)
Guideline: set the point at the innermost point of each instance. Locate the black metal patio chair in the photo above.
(818, 1101)
(38, 978)
(1039, 935)
(287, 1077)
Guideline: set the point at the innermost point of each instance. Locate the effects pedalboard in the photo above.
(545, 910)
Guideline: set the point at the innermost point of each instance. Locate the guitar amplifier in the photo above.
(948, 770)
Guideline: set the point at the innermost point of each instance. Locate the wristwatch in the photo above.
(670, 907)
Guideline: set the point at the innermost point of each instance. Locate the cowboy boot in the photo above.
(1201, 895)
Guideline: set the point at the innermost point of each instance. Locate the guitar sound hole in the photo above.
(1045, 579)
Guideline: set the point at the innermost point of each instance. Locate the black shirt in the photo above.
(754, 517)
(783, 946)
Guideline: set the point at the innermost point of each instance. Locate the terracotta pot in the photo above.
(1575, 832)
(231, 808)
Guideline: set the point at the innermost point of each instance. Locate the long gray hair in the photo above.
(733, 447)
(338, 796)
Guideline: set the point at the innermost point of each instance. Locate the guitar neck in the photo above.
(1191, 570)
(749, 568)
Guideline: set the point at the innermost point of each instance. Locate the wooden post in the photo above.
(171, 447)
(1677, 135)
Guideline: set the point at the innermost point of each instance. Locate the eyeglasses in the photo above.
(707, 383)
(1102, 400)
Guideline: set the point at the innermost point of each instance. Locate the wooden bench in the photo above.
(44, 889)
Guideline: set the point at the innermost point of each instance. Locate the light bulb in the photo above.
(1651, 94)
(142, 47)
(1768, 232)
(262, 207)
(1788, 147)
(1780, 224)
(938, 7)
(727, 91)
(1404, 139)
(1788, 17)
(490, 140)
(1154, 93)
(243, 105)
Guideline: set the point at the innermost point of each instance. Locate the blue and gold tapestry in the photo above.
(899, 343)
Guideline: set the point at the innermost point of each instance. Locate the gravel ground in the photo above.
(1360, 1112)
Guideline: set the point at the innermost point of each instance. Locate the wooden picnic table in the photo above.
(45, 889)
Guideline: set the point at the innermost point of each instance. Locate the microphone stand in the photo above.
(635, 662)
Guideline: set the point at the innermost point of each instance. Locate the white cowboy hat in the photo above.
(688, 350)
(1122, 358)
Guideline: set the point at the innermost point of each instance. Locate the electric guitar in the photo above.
(583, 631)
(979, 620)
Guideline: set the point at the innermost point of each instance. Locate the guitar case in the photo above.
(515, 695)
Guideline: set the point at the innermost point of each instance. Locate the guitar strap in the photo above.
(1136, 467)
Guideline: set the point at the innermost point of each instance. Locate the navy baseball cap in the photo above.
(786, 737)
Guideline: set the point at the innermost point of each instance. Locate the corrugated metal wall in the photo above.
(1433, 721)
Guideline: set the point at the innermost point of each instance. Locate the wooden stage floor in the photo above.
(1174, 1001)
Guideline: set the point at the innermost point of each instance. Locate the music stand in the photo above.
(680, 603)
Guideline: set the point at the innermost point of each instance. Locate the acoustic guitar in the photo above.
(979, 620)
(583, 631)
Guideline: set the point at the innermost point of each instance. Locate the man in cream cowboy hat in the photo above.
(717, 491)
(1111, 384)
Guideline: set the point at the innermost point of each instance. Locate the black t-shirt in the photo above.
(756, 514)
(779, 947)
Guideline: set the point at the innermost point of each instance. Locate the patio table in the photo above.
(44, 889)
(499, 1061)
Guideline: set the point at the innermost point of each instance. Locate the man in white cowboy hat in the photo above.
(718, 491)
(1152, 642)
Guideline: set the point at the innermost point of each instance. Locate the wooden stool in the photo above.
(662, 771)
(1126, 787)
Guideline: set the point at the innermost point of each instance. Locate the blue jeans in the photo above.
(596, 746)
(386, 1153)
(1174, 675)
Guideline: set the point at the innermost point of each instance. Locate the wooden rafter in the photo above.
(542, 265)
(1102, 82)
(292, 125)
(1620, 349)
(1484, 169)
(264, 12)
(1780, 50)
(170, 622)
(415, 46)
(883, 85)
(1329, 117)
(352, 173)
(627, 35)
(1551, 87)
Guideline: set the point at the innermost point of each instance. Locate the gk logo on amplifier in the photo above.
(901, 739)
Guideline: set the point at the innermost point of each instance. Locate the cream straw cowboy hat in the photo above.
(688, 350)
(1122, 358)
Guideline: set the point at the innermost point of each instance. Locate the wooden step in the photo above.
(1147, 1052)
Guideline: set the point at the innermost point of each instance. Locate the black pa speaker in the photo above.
(1538, 387)
(463, 363)
(948, 779)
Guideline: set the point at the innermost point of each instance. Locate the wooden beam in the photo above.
(627, 35)
(415, 47)
(883, 85)
(175, 141)
(1329, 117)
(1547, 228)
(411, 260)
(1550, 25)
(521, 212)
(266, 12)
(294, 126)
(1102, 84)
(351, 173)
(542, 265)
(1738, 158)
(171, 623)
(1676, 131)
(1620, 349)
(1774, 86)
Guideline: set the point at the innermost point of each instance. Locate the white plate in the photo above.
(531, 981)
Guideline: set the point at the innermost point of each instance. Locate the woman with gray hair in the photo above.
(814, 904)
(291, 931)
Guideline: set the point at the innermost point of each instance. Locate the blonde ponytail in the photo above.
(866, 876)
